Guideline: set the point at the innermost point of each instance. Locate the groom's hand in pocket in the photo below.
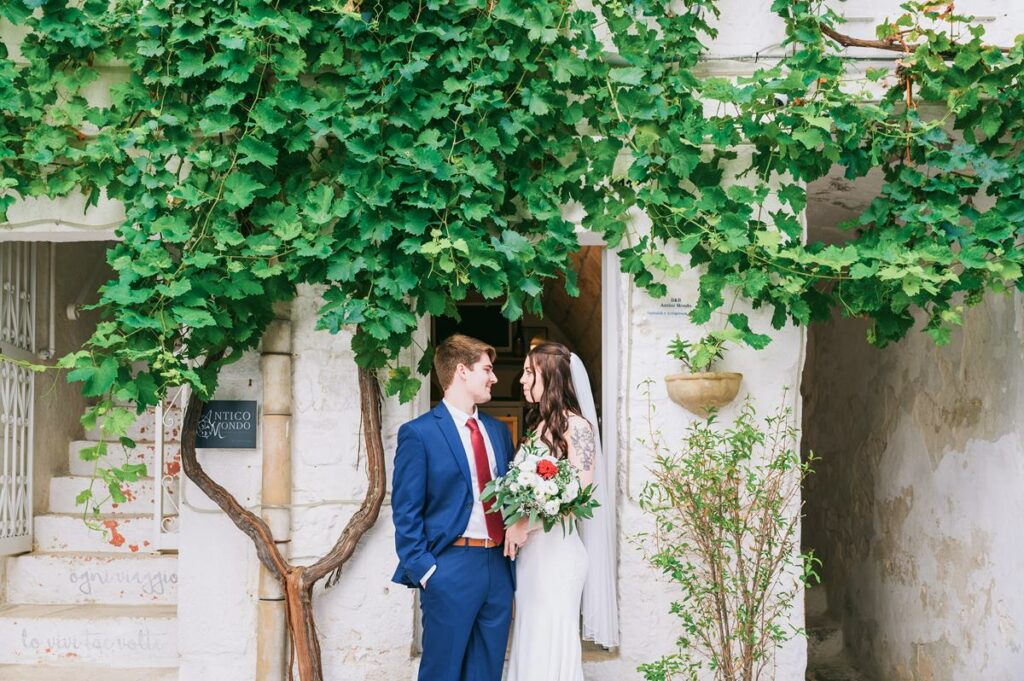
(425, 578)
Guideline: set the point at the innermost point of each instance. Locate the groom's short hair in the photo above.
(455, 350)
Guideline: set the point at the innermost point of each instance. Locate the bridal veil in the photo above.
(600, 606)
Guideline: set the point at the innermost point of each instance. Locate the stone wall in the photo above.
(365, 621)
(217, 565)
(916, 503)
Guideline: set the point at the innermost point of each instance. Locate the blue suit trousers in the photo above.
(467, 609)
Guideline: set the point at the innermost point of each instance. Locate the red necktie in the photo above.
(495, 528)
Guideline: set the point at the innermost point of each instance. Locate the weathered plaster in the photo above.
(916, 502)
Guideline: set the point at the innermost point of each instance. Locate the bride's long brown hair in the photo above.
(559, 397)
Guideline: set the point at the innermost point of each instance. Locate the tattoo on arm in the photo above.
(582, 437)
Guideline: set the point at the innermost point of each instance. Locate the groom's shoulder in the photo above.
(420, 421)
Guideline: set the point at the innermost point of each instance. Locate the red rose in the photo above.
(546, 469)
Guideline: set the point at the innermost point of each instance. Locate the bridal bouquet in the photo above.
(541, 487)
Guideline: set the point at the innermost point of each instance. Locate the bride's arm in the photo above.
(582, 448)
(516, 535)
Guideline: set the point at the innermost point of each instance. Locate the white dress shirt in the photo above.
(477, 526)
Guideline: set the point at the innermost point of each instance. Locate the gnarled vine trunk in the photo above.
(297, 581)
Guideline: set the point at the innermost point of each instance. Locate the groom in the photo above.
(448, 545)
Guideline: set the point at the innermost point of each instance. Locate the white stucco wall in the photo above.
(646, 326)
(916, 506)
(217, 565)
(58, 404)
(365, 621)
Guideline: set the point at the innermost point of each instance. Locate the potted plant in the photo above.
(701, 389)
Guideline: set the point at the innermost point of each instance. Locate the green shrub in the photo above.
(725, 504)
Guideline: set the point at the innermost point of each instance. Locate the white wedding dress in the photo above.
(551, 568)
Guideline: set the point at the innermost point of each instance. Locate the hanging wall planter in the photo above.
(703, 391)
(700, 390)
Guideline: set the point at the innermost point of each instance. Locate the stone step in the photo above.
(815, 602)
(69, 533)
(143, 430)
(106, 578)
(64, 489)
(838, 669)
(117, 455)
(824, 640)
(125, 636)
(36, 673)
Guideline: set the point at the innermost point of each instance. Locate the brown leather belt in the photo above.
(477, 543)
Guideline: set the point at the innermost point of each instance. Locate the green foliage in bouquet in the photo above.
(542, 488)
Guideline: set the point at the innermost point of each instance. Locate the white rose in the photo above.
(538, 494)
(550, 488)
(551, 507)
(572, 490)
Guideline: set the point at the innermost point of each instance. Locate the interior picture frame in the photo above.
(513, 426)
(481, 320)
(511, 415)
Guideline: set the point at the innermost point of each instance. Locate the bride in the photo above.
(553, 568)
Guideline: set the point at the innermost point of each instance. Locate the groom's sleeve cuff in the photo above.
(423, 580)
(420, 569)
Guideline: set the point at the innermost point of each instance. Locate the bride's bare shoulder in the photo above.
(577, 422)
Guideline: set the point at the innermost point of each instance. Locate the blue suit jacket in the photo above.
(431, 493)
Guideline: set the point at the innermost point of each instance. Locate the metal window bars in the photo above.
(17, 392)
(167, 488)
